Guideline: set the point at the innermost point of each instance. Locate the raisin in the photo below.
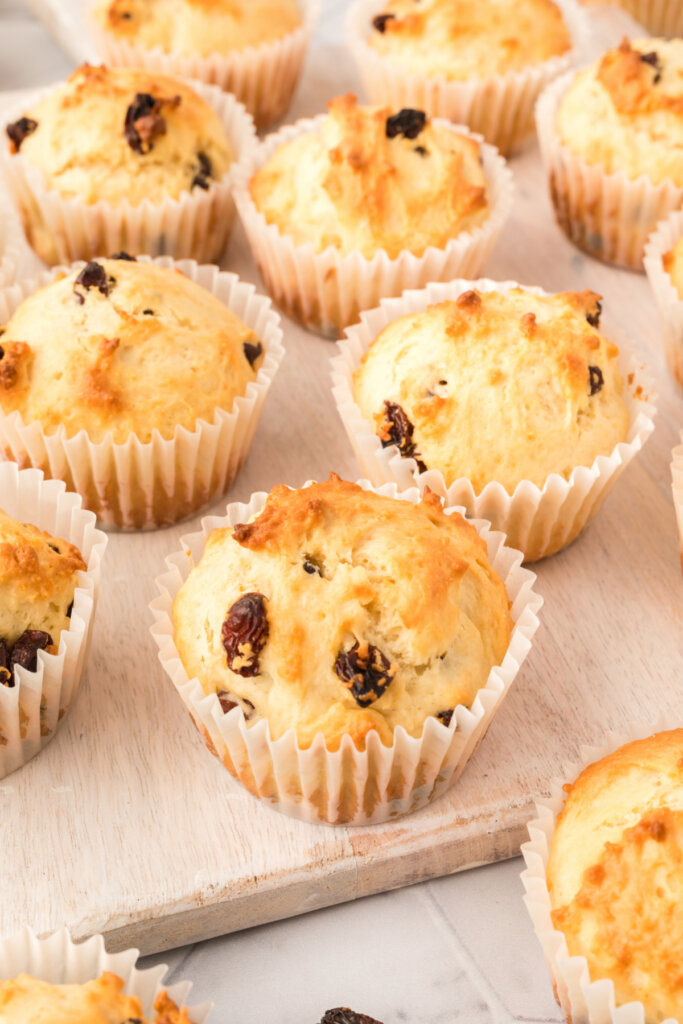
(312, 567)
(593, 317)
(2, 352)
(124, 256)
(397, 429)
(342, 1015)
(408, 123)
(252, 352)
(18, 131)
(144, 123)
(445, 716)
(25, 650)
(421, 151)
(227, 703)
(595, 380)
(69, 610)
(148, 312)
(93, 275)
(365, 671)
(203, 175)
(654, 60)
(380, 22)
(244, 634)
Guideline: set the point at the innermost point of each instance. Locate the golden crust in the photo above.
(615, 872)
(338, 566)
(461, 39)
(497, 386)
(198, 27)
(625, 112)
(155, 352)
(672, 261)
(81, 146)
(351, 186)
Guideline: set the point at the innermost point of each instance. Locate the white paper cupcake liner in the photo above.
(31, 710)
(348, 786)
(263, 78)
(609, 216)
(142, 485)
(11, 242)
(196, 226)
(538, 521)
(500, 107)
(325, 291)
(58, 960)
(584, 1000)
(677, 488)
(669, 303)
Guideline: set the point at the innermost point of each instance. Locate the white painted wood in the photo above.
(125, 824)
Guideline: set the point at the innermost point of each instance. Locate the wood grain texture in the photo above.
(125, 824)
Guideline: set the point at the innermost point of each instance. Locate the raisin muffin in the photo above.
(112, 139)
(615, 872)
(340, 611)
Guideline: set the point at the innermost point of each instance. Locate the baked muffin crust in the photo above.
(504, 386)
(124, 346)
(198, 26)
(372, 178)
(462, 39)
(339, 611)
(615, 872)
(625, 112)
(118, 134)
(26, 1000)
(672, 261)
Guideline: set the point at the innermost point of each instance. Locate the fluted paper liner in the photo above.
(584, 1000)
(196, 225)
(500, 107)
(609, 216)
(11, 242)
(31, 710)
(348, 786)
(142, 485)
(325, 291)
(263, 78)
(538, 521)
(677, 488)
(669, 302)
(659, 17)
(58, 960)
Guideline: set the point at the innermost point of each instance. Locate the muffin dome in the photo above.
(196, 27)
(339, 611)
(625, 112)
(504, 386)
(463, 39)
(116, 134)
(615, 872)
(124, 346)
(372, 178)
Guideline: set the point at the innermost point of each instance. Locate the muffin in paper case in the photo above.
(196, 225)
(677, 487)
(609, 216)
(58, 960)
(32, 709)
(325, 291)
(538, 521)
(499, 107)
(669, 302)
(583, 1000)
(263, 78)
(347, 786)
(143, 485)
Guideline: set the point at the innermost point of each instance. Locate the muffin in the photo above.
(363, 202)
(479, 64)
(329, 641)
(120, 357)
(503, 399)
(120, 155)
(659, 17)
(664, 267)
(613, 132)
(252, 48)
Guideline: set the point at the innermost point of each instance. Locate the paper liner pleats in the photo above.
(142, 485)
(669, 302)
(659, 17)
(32, 709)
(11, 242)
(196, 226)
(677, 488)
(325, 291)
(263, 78)
(348, 786)
(58, 960)
(609, 216)
(499, 107)
(538, 521)
(584, 1000)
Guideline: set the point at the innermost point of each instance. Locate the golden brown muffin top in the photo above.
(372, 178)
(461, 39)
(119, 134)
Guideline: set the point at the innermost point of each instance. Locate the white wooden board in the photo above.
(125, 824)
